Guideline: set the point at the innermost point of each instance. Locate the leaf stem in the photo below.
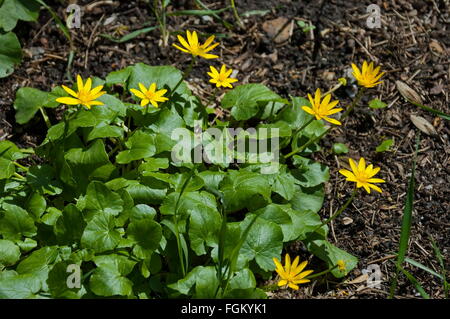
(304, 146)
(21, 166)
(236, 14)
(358, 97)
(335, 215)
(185, 75)
(45, 117)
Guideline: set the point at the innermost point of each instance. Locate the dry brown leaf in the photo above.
(436, 47)
(358, 280)
(423, 125)
(279, 29)
(407, 92)
(347, 220)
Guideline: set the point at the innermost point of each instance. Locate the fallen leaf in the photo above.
(279, 29)
(436, 46)
(407, 92)
(423, 125)
(347, 220)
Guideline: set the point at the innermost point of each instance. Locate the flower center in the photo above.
(84, 96)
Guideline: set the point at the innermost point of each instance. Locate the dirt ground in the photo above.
(412, 45)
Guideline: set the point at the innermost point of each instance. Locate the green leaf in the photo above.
(9, 253)
(339, 148)
(146, 234)
(100, 234)
(10, 53)
(243, 279)
(19, 286)
(303, 222)
(163, 76)
(84, 163)
(251, 293)
(384, 146)
(377, 104)
(140, 145)
(264, 242)
(9, 152)
(16, 223)
(13, 10)
(204, 229)
(38, 263)
(308, 198)
(203, 201)
(294, 224)
(331, 254)
(294, 115)
(240, 187)
(100, 198)
(142, 211)
(244, 100)
(283, 184)
(109, 278)
(42, 178)
(36, 205)
(153, 165)
(310, 173)
(57, 282)
(206, 283)
(69, 226)
(103, 130)
(27, 103)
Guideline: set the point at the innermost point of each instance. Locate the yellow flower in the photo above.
(341, 265)
(362, 175)
(85, 95)
(193, 47)
(368, 76)
(322, 109)
(291, 274)
(221, 78)
(150, 95)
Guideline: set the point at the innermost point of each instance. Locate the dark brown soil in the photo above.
(412, 45)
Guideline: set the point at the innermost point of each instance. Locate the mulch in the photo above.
(412, 45)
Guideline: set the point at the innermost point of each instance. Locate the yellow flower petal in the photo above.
(282, 282)
(68, 100)
(70, 91)
(79, 83)
(293, 286)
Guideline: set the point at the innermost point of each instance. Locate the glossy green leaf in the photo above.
(100, 198)
(9, 253)
(140, 145)
(244, 100)
(264, 242)
(16, 223)
(10, 52)
(100, 234)
(27, 103)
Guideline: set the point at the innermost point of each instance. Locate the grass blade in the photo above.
(197, 12)
(439, 257)
(128, 36)
(423, 267)
(429, 109)
(203, 6)
(406, 221)
(414, 281)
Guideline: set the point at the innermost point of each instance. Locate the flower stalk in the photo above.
(335, 215)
